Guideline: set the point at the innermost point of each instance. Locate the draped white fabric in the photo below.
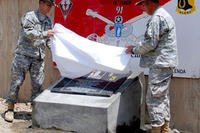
(76, 56)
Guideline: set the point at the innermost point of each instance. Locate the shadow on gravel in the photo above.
(23, 115)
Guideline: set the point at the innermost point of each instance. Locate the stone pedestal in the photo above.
(88, 114)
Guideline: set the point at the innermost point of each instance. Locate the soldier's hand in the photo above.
(129, 49)
(50, 32)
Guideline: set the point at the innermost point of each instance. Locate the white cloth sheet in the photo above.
(77, 56)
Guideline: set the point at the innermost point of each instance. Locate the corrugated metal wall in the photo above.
(185, 93)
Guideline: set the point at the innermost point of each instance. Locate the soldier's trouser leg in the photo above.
(157, 98)
(19, 68)
(37, 77)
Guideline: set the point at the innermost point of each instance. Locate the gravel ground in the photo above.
(22, 122)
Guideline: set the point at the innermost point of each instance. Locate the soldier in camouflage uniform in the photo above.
(158, 52)
(30, 52)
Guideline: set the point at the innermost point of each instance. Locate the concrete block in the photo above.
(87, 114)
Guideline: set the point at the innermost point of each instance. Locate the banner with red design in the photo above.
(87, 17)
(120, 23)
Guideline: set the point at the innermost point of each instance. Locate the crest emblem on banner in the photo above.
(185, 6)
(65, 6)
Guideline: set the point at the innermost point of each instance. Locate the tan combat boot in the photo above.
(165, 128)
(9, 113)
(156, 130)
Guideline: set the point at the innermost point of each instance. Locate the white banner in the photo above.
(77, 56)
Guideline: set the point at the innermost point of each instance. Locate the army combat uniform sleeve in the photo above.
(32, 28)
(151, 37)
(49, 42)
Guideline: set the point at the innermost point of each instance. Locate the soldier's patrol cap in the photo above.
(141, 1)
(49, 1)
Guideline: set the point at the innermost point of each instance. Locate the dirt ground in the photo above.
(22, 122)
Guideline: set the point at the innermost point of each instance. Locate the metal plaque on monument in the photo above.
(97, 83)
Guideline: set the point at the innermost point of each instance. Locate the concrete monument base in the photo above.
(87, 114)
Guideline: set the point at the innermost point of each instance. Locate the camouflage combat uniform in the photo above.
(30, 53)
(158, 52)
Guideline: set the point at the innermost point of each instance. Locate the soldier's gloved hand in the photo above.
(129, 49)
(50, 32)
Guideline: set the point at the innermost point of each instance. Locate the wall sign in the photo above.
(121, 23)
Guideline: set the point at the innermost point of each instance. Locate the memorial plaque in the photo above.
(97, 83)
